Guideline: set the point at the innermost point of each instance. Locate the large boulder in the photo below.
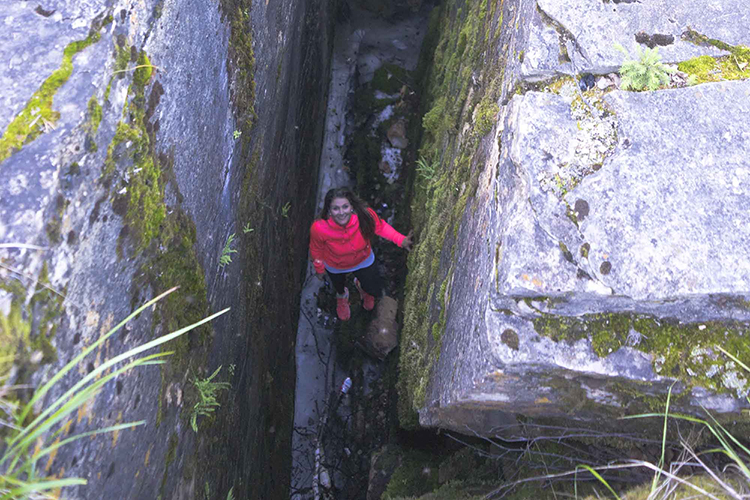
(615, 262)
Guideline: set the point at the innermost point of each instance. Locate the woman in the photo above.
(340, 244)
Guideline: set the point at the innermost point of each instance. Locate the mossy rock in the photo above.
(416, 475)
(30, 122)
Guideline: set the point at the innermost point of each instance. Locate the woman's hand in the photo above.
(408, 241)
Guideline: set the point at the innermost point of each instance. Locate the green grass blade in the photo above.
(46, 387)
(734, 358)
(38, 427)
(663, 440)
(688, 418)
(137, 350)
(21, 446)
(70, 402)
(600, 478)
(27, 488)
(729, 450)
(71, 439)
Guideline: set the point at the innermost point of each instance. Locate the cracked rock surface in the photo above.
(579, 36)
(603, 226)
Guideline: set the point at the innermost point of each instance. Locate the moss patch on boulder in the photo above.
(38, 114)
(735, 66)
(684, 351)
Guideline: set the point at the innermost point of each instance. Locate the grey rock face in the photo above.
(613, 227)
(681, 185)
(67, 190)
(680, 180)
(579, 36)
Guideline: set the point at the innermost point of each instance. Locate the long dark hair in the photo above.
(366, 222)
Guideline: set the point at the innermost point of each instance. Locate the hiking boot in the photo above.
(368, 301)
(342, 306)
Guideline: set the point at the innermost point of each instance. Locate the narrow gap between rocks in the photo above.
(372, 130)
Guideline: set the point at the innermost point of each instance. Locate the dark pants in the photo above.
(369, 280)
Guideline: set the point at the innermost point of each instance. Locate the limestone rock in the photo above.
(170, 138)
(579, 36)
(613, 226)
(397, 135)
(382, 332)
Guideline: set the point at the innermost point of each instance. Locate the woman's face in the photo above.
(341, 211)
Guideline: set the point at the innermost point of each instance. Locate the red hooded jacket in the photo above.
(345, 247)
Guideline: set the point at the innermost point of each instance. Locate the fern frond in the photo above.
(227, 251)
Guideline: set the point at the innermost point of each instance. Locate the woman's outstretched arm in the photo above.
(385, 230)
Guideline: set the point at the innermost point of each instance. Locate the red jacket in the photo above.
(345, 247)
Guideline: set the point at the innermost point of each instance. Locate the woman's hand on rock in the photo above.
(408, 241)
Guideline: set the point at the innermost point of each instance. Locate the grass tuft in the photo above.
(30, 442)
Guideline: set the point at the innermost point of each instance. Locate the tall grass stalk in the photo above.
(665, 482)
(19, 477)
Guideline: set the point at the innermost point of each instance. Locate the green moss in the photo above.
(144, 191)
(585, 248)
(49, 306)
(176, 264)
(169, 458)
(165, 240)
(389, 78)
(15, 328)
(686, 352)
(123, 134)
(122, 58)
(29, 328)
(146, 209)
(485, 115)
(555, 85)
(436, 121)
(242, 61)
(566, 253)
(457, 39)
(735, 66)
(95, 115)
(417, 474)
(144, 70)
(705, 68)
(30, 122)
(94, 120)
(639, 397)
(54, 224)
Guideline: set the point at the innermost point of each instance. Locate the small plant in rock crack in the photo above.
(247, 229)
(227, 251)
(645, 73)
(236, 134)
(207, 393)
(285, 210)
(426, 169)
